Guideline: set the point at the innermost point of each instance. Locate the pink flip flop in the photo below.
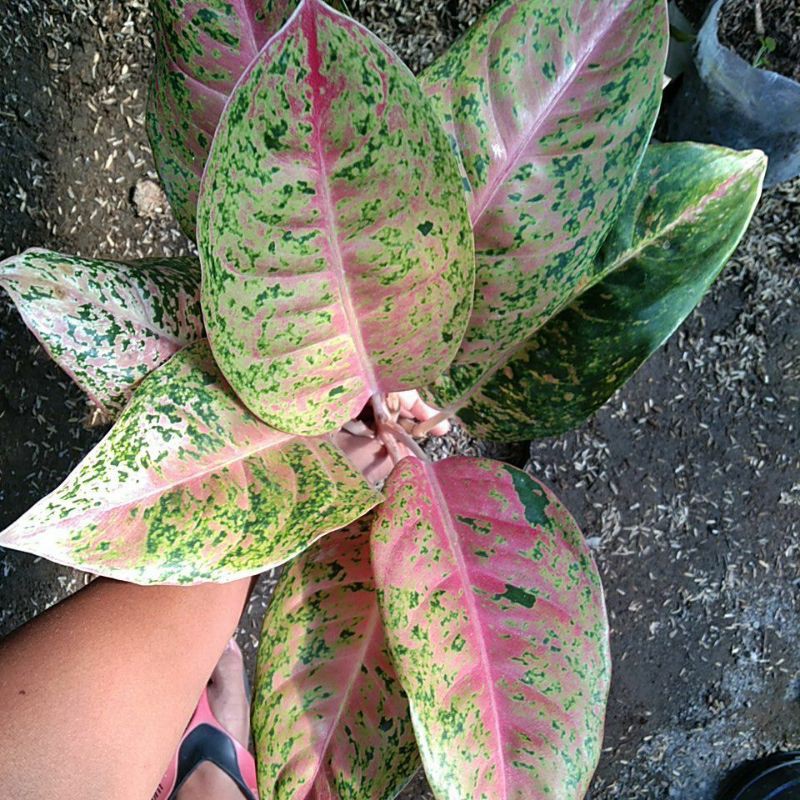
(206, 740)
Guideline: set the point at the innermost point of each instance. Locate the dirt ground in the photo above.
(687, 484)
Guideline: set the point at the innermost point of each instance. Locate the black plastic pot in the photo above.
(724, 100)
(776, 777)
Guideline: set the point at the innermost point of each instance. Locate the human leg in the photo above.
(96, 692)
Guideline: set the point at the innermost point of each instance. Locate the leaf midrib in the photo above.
(686, 216)
(452, 539)
(203, 87)
(247, 17)
(512, 161)
(337, 260)
(345, 696)
(248, 21)
(140, 322)
(162, 489)
(507, 355)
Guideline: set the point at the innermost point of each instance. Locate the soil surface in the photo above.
(771, 42)
(687, 484)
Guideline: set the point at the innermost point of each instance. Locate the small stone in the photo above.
(594, 542)
(95, 417)
(149, 199)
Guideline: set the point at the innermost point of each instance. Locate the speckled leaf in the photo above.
(334, 236)
(106, 323)
(550, 104)
(687, 212)
(496, 623)
(188, 486)
(202, 49)
(330, 719)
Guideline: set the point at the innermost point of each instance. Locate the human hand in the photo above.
(370, 452)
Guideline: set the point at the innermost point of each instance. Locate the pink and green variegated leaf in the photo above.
(688, 209)
(202, 49)
(333, 230)
(495, 619)
(330, 719)
(190, 487)
(107, 324)
(550, 104)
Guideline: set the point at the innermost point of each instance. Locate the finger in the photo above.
(423, 412)
(415, 407)
(358, 428)
(368, 456)
(379, 468)
(407, 398)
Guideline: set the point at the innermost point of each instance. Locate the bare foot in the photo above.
(231, 706)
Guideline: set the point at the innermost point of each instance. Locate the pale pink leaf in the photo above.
(107, 324)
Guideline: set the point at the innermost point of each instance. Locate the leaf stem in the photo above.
(429, 424)
(381, 410)
(399, 434)
(391, 432)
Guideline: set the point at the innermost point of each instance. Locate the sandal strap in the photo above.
(207, 743)
(205, 739)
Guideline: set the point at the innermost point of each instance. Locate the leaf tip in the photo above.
(755, 160)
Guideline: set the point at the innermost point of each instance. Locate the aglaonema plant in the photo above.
(499, 235)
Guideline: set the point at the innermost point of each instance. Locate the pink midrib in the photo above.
(440, 503)
(241, 455)
(511, 162)
(685, 216)
(348, 690)
(247, 15)
(75, 297)
(321, 107)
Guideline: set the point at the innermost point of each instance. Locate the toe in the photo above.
(226, 693)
